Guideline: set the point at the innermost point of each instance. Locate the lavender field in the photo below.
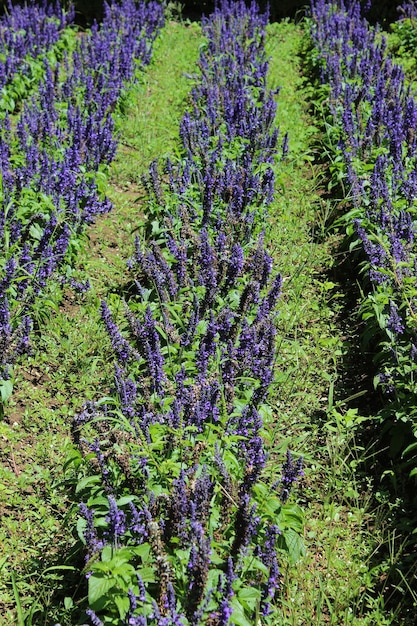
(208, 344)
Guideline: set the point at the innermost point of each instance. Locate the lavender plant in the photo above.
(179, 521)
(373, 117)
(49, 164)
(27, 34)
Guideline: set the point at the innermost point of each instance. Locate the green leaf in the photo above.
(142, 551)
(81, 526)
(291, 517)
(107, 553)
(124, 570)
(122, 603)
(36, 231)
(125, 500)
(272, 504)
(147, 574)
(98, 589)
(68, 603)
(410, 448)
(295, 545)
(100, 504)
(87, 482)
(238, 615)
(6, 390)
(249, 597)
(258, 566)
(249, 593)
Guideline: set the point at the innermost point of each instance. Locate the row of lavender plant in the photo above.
(27, 32)
(372, 118)
(182, 517)
(49, 160)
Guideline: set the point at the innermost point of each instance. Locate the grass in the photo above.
(335, 582)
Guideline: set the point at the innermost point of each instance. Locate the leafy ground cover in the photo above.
(335, 581)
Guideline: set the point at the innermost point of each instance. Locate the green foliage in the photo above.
(402, 41)
(113, 572)
(336, 581)
(27, 81)
(6, 390)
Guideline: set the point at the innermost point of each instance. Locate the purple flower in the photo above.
(101, 460)
(225, 590)
(246, 523)
(93, 544)
(120, 345)
(386, 380)
(207, 347)
(197, 568)
(285, 145)
(116, 522)
(395, 323)
(94, 619)
(127, 392)
(235, 265)
(291, 472)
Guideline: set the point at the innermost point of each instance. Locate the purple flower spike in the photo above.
(116, 523)
(96, 621)
(291, 472)
(120, 345)
(199, 357)
(395, 323)
(93, 544)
